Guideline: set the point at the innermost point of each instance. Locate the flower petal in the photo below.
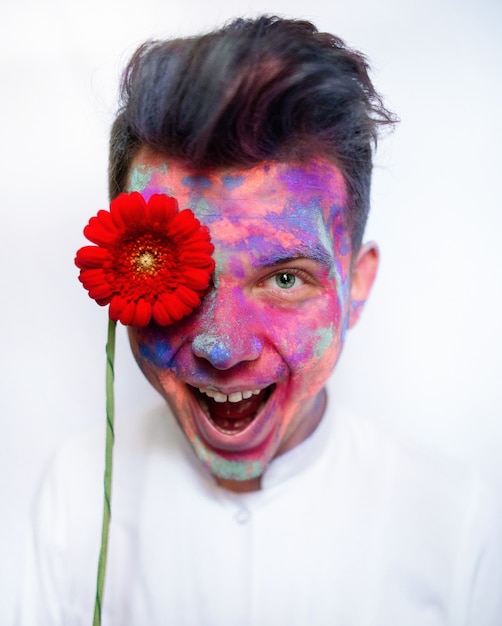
(161, 209)
(128, 210)
(196, 259)
(100, 229)
(128, 314)
(91, 256)
(100, 292)
(189, 297)
(195, 245)
(174, 306)
(161, 315)
(143, 313)
(196, 278)
(184, 224)
(104, 301)
(117, 305)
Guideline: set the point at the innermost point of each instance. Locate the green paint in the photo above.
(142, 175)
(201, 207)
(223, 468)
(325, 340)
(324, 238)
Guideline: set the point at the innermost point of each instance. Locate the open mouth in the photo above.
(232, 413)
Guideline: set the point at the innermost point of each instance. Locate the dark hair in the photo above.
(256, 90)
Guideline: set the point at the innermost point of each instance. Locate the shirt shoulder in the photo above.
(440, 520)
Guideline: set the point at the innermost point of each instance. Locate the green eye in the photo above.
(285, 280)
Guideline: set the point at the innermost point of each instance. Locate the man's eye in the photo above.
(285, 280)
(294, 280)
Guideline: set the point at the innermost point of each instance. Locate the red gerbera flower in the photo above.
(151, 261)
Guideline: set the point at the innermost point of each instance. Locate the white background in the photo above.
(427, 354)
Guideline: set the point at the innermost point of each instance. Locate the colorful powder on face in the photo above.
(345, 244)
(357, 305)
(196, 182)
(232, 182)
(215, 349)
(157, 351)
(141, 178)
(248, 333)
(325, 338)
(225, 468)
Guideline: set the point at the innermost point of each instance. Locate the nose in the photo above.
(226, 331)
(224, 350)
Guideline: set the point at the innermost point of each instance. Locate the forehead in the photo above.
(271, 212)
(263, 191)
(262, 215)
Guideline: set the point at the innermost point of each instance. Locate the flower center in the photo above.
(145, 262)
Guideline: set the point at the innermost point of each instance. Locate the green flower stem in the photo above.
(110, 438)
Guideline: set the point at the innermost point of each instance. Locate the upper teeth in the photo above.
(236, 396)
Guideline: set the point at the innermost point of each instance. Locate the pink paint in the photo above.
(274, 320)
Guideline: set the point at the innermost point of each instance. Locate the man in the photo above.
(252, 499)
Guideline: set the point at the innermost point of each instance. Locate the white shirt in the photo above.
(353, 527)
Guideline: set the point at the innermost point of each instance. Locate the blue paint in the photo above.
(158, 352)
(279, 254)
(304, 209)
(196, 182)
(214, 349)
(335, 209)
(298, 179)
(345, 245)
(345, 327)
(232, 182)
(220, 354)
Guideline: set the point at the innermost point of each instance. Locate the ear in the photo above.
(363, 274)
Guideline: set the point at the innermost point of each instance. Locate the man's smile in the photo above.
(234, 412)
(230, 426)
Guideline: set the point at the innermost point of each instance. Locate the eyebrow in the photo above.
(314, 252)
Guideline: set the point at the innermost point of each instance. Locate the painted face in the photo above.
(244, 374)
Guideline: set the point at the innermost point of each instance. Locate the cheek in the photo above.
(315, 350)
(309, 339)
(152, 349)
(155, 353)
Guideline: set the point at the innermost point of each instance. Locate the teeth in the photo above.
(236, 396)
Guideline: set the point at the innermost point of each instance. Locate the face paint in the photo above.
(244, 374)
(357, 305)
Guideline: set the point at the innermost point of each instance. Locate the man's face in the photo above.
(244, 373)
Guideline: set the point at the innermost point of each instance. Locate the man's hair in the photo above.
(265, 89)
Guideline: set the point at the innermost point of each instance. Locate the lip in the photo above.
(253, 436)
